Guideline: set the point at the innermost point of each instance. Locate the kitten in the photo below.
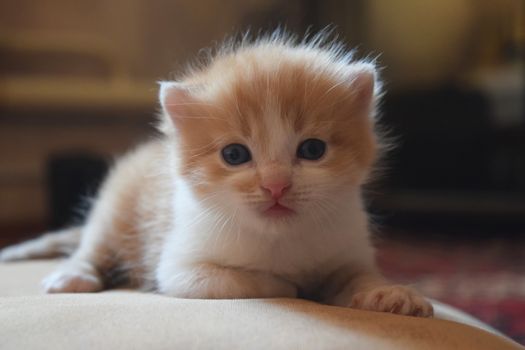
(252, 191)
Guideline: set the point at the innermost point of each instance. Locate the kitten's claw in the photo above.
(394, 299)
(67, 281)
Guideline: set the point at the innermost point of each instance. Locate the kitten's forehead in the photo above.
(273, 134)
(271, 104)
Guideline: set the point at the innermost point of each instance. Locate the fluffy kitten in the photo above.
(253, 191)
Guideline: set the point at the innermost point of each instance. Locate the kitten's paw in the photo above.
(70, 281)
(395, 299)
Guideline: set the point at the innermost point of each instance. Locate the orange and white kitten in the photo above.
(252, 191)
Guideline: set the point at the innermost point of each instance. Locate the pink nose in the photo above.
(276, 189)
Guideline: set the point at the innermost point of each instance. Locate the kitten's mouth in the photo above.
(278, 210)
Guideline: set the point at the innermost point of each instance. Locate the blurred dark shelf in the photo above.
(453, 168)
(432, 202)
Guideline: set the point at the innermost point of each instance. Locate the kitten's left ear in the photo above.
(363, 83)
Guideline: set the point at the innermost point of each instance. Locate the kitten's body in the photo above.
(178, 219)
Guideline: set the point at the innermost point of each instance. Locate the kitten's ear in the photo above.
(363, 82)
(173, 97)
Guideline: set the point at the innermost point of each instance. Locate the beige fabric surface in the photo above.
(131, 320)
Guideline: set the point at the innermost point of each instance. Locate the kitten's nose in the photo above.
(276, 189)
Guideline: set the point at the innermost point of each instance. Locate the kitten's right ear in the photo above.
(172, 96)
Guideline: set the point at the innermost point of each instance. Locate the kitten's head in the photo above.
(273, 131)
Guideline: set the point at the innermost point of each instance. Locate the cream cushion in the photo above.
(123, 319)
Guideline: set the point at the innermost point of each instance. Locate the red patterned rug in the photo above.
(485, 279)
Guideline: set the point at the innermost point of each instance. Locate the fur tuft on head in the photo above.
(323, 54)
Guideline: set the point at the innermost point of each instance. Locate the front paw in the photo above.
(64, 282)
(394, 299)
(73, 278)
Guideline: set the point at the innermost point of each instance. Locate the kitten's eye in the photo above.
(311, 149)
(236, 154)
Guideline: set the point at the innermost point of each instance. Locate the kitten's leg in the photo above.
(107, 226)
(50, 245)
(83, 271)
(368, 290)
(208, 281)
(110, 236)
(77, 274)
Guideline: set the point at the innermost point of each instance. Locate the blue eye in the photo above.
(311, 149)
(236, 154)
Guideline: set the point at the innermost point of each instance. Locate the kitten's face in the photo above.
(276, 144)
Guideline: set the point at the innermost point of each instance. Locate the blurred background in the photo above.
(77, 87)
